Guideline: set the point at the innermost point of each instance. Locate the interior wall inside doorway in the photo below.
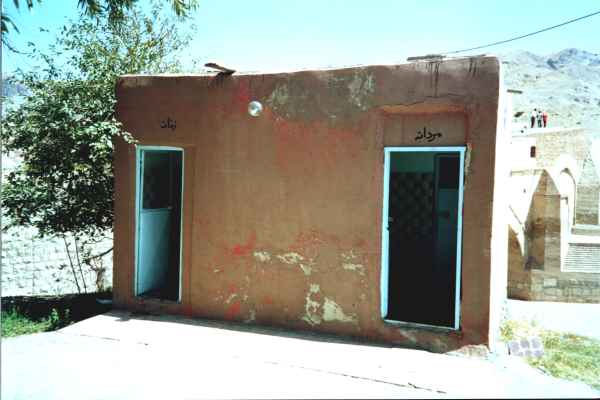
(159, 219)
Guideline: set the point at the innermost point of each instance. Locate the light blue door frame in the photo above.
(385, 232)
(152, 231)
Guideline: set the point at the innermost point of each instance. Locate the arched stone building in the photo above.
(554, 231)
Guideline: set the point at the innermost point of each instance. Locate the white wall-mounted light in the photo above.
(255, 108)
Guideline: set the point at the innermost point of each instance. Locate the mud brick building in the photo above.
(363, 201)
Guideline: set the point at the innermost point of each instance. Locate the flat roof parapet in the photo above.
(542, 131)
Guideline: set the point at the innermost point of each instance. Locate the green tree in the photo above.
(63, 128)
(114, 10)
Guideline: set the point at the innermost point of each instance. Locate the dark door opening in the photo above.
(423, 226)
(159, 223)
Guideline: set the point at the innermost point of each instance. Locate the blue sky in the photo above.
(271, 35)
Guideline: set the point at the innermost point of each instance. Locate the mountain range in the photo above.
(565, 84)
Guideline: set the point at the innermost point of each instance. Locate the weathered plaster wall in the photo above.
(282, 213)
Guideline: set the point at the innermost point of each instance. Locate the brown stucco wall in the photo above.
(282, 213)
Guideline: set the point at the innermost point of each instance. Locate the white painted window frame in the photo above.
(385, 233)
(139, 149)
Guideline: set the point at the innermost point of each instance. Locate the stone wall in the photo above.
(557, 286)
(543, 232)
(542, 226)
(588, 195)
(36, 266)
(519, 279)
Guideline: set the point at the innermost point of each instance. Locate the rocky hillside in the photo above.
(565, 84)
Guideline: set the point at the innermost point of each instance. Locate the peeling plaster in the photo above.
(360, 88)
(354, 267)
(307, 269)
(251, 317)
(230, 298)
(333, 312)
(349, 256)
(467, 168)
(279, 96)
(316, 313)
(350, 263)
(439, 344)
(262, 256)
(312, 307)
(290, 258)
(306, 265)
(410, 336)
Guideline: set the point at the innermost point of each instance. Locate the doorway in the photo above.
(422, 231)
(158, 222)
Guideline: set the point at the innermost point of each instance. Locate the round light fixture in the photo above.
(255, 108)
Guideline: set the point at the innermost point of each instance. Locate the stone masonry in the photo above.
(35, 266)
(40, 266)
(554, 231)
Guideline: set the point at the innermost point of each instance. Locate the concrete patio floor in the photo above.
(120, 355)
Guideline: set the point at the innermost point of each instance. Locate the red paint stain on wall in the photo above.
(233, 310)
(267, 300)
(242, 94)
(241, 250)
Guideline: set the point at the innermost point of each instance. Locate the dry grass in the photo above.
(566, 355)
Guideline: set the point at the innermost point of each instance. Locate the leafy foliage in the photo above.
(14, 324)
(114, 10)
(64, 128)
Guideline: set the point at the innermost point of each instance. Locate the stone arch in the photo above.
(542, 227)
(566, 187)
(567, 190)
(566, 162)
(516, 251)
(518, 276)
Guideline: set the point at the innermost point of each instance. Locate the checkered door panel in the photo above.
(411, 197)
